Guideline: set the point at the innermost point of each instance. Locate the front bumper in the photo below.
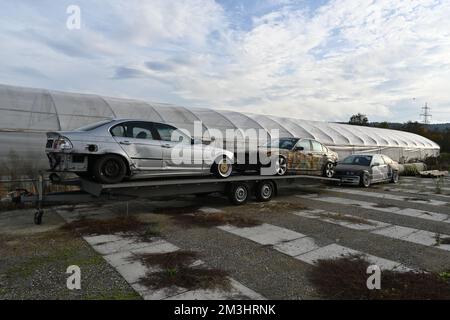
(347, 179)
(66, 162)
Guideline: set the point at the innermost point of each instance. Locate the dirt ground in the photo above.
(271, 248)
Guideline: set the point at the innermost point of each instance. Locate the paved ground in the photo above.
(402, 227)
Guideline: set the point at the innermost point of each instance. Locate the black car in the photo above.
(365, 169)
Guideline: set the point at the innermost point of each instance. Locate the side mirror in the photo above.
(376, 164)
(196, 141)
(299, 149)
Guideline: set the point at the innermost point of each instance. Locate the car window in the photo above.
(282, 143)
(169, 133)
(316, 146)
(136, 130)
(118, 131)
(357, 160)
(141, 132)
(305, 144)
(377, 159)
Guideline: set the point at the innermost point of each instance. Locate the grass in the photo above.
(188, 278)
(177, 271)
(442, 162)
(170, 260)
(128, 225)
(206, 220)
(410, 170)
(115, 295)
(440, 240)
(177, 210)
(345, 278)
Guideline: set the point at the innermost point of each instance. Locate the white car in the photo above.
(112, 150)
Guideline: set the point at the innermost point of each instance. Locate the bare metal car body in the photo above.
(145, 148)
(366, 169)
(300, 156)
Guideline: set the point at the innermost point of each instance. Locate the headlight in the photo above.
(62, 143)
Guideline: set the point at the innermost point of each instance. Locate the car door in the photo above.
(137, 139)
(319, 157)
(302, 162)
(178, 153)
(379, 168)
(389, 164)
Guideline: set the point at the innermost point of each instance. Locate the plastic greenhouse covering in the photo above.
(26, 114)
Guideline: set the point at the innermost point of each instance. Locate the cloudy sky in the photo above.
(311, 59)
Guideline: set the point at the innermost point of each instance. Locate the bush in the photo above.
(442, 162)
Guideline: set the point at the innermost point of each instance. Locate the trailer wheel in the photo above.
(38, 216)
(265, 191)
(238, 193)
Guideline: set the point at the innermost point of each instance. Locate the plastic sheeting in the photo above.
(26, 110)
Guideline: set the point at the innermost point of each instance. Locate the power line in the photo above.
(426, 114)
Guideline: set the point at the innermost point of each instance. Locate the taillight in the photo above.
(62, 143)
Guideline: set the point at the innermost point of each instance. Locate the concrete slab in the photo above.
(265, 234)
(297, 246)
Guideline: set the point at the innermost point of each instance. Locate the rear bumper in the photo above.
(66, 162)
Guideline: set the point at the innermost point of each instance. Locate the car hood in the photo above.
(350, 167)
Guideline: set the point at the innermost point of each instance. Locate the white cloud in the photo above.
(345, 57)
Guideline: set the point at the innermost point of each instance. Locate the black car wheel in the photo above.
(109, 169)
(365, 180)
(328, 170)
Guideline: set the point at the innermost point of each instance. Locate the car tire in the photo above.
(328, 170)
(365, 180)
(265, 191)
(394, 178)
(109, 169)
(222, 167)
(281, 166)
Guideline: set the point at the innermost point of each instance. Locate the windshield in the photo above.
(93, 126)
(283, 143)
(357, 160)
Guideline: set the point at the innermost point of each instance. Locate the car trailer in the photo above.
(238, 189)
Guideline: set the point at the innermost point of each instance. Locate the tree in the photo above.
(359, 120)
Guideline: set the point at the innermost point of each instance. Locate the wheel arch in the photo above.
(93, 157)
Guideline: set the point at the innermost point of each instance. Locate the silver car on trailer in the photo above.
(112, 150)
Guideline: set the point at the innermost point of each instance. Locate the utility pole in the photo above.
(426, 114)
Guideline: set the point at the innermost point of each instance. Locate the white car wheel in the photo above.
(223, 167)
(281, 166)
(329, 170)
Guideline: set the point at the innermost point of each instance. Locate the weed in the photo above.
(345, 278)
(215, 219)
(189, 278)
(169, 260)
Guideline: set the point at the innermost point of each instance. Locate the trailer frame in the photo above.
(238, 189)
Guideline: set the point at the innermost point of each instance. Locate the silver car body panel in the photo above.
(145, 157)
